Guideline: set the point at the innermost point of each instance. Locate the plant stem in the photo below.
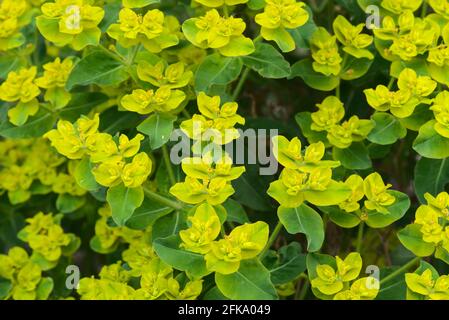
(162, 199)
(424, 9)
(240, 84)
(338, 92)
(304, 289)
(360, 236)
(401, 270)
(391, 83)
(271, 240)
(225, 11)
(168, 166)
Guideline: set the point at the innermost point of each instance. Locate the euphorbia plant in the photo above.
(124, 149)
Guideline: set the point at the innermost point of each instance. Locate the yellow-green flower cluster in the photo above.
(427, 286)
(378, 197)
(24, 275)
(223, 255)
(154, 30)
(54, 79)
(413, 90)
(432, 218)
(20, 87)
(354, 42)
(407, 38)
(341, 135)
(440, 110)
(157, 281)
(220, 3)
(215, 123)
(13, 16)
(400, 6)
(46, 237)
(278, 17)
(336, 281)
(31, 166)
(220, 33)
(306, 177)
(107, 238)
(326, 57)
(111, 167)
(208, 179)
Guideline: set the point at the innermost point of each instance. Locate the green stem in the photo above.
(391, 83)
(304, 289)
(171, 174)
(162, 199)
(240, 84)
(225, 11)
(360, 236)
(401, 270)
(338, 92)
(424, 9)
(271, 240)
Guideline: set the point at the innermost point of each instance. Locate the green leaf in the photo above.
(217, 70)
(388, 129)
(66, 203)
(303, 219)
(36, 126)
(138, 3)
(147, 214)
(432, 176)
(356, 157)
(123, 202)
(430, 144)
(313, 79)
(290, 264)
(158, 127)
(168, 250)
(81, 104)
(355, 68)
(250, 282)
(396, 211)
(268, 62)
(342, 218)
(8, 64)
(411, 238)
(169, 225)
(5, 288)
(98, 68)
(44, 288)
(236, 213)
(84, 177)
(442, 254)
(418, 65)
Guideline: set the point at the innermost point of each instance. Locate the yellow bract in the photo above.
(73, 22)
(216, 32)
(330, 112)
(427, 285)
(327, 59)
(244, 242)
(355, 43)
(172, 76)
(399, 6)
(162, 100)
(413, 90)
(13, 16)
(83, 139)
(278, 17)
(20, 87)
(377, 193)
(205, 228)
(24, 275)
(152, 30)
(215, 124)
(440, 110)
